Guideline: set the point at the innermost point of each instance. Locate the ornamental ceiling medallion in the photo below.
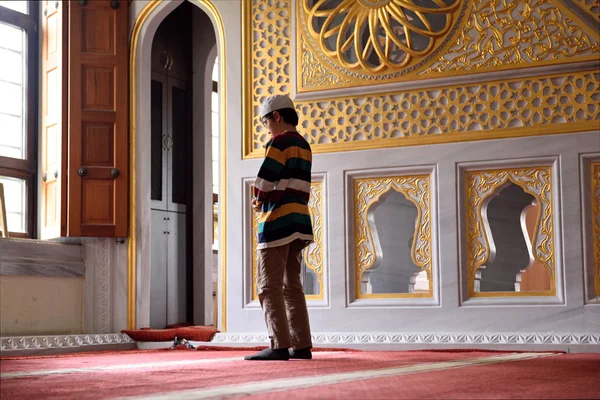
(367, 40)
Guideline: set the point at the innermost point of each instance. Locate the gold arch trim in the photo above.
(132, 249)
(595, 188)
(536, 181)
(313, 255)
(367, 192)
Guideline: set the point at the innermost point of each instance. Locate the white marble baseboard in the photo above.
(568, 342)
(30, 345)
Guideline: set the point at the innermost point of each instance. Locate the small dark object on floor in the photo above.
(181, 342)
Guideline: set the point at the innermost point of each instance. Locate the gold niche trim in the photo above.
(595, 188)
(313, 254)
(536, 181)
(506, 34)
(367, 191)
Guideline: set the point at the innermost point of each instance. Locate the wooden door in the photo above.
(54, 141)
(98, 119)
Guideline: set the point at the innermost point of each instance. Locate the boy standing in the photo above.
(282, 191)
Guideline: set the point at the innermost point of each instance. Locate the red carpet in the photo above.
(458, 375)
(197, 333)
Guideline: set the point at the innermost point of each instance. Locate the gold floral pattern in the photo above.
(507, 33)
(558, 103)
(378, 35)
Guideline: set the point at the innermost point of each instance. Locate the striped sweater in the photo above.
(283, 188)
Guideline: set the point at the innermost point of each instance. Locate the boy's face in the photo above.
(272, 122)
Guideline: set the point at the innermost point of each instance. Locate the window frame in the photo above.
(26, 168)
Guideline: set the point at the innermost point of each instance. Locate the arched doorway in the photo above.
(200, 225)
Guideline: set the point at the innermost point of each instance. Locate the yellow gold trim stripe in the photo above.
(290, 152)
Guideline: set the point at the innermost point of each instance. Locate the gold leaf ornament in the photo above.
(379, 35)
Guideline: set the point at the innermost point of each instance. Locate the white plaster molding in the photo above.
(103, 285)
(98, 255)
(23, 343)
(472, 338)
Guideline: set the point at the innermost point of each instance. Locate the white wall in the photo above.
(449, 311)
(38, 305)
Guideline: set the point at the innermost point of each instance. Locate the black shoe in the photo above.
(303, 354)
(270, 355)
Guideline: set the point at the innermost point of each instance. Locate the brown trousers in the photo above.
(281, 296)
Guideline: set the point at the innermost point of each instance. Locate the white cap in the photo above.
(274, 103)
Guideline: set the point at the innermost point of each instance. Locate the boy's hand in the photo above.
(256, 204)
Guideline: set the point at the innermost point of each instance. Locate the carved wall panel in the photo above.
(505, 34)
(595, 191)
(497, 34)
(313, 255)
(367, 193)
(481, 187)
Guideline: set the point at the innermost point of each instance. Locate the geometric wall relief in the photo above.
(393, 237)
(557, 103)
(312, 275)
(510, 232)
(535, 33)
